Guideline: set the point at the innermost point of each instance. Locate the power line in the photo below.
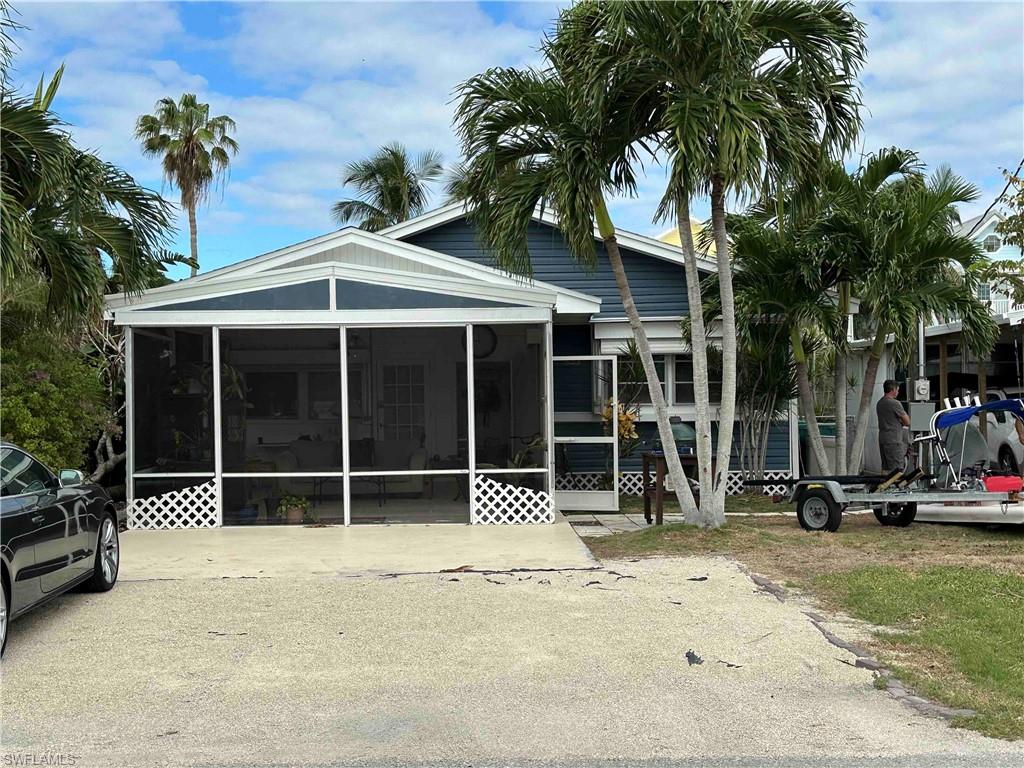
(999, 197)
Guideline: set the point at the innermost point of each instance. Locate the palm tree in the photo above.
(782, 282)
(533, 139)
(750, 93)
(391, 187)
(837, 200)
(196, 151)
(913, 266)
(65, 212)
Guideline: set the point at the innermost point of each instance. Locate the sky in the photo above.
(313, 86)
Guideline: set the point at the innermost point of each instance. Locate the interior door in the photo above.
(586, 433)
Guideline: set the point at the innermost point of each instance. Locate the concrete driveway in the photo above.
(563, 667)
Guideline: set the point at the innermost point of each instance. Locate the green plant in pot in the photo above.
(293, 509)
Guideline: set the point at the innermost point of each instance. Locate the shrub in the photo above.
(52, 401)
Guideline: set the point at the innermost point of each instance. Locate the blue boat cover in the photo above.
(960, 415)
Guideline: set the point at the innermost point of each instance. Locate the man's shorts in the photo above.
(894, 456)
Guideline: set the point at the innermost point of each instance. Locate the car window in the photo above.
(20, 473)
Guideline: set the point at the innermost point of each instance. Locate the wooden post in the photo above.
(943, 372)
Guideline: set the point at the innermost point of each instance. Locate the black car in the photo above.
(56, 533)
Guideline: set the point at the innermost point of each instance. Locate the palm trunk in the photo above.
(803, 380)
(675, 468)
(715, 516)
(840, 379)
(864, 407)
(698, 351)
(193, 237)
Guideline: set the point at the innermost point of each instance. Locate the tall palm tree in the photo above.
(532, 139)
(750, 92)
(913, 266)
(65, 212)
(196, 152)
(391, 187)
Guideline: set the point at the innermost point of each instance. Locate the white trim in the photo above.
(569, 301)
(507, 292)
(129, 415)
(549, 409)
(647, 245)
(794, 440)
(165, 475)
(345, 458)
(218, 447)
(471, 420)
(513, 471)
(378, 318)
(406, 472)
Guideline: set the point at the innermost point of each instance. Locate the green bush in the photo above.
(51, 401)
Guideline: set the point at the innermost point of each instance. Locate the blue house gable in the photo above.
(659, 286)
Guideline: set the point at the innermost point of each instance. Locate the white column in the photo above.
(471, 423)
(129, 415)
(549, 405)
(218, 442)
(347, 481)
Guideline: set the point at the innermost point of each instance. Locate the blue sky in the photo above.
(315, 85)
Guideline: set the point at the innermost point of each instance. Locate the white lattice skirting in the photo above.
(503, 504)
(193, 507)
(632, 483)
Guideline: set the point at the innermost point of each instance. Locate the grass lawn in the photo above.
(949, 599)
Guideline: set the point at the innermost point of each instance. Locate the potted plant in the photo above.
(293, 509)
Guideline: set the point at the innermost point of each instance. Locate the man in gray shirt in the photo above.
(891, 421)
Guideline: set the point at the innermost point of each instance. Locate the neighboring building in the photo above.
(336, 370)
(952, 371)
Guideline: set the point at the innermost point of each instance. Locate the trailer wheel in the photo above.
(900, 515)
(818, 511)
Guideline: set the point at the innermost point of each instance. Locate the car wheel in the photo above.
(900, 515)
(108, 557)
(3, 617)
(818, 511)
(1007, 461)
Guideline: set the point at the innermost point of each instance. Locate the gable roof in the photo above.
(648, 246)
(974, 225)
(355, 256)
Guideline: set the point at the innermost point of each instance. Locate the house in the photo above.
(950, 369)
(396, 377)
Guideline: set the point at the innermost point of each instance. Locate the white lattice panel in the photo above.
(580, 481)
(504, 504)
(192, 507)
(632, 484)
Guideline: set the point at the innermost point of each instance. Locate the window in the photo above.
(633, 380)
(20, 473)
(992, 243)
(402, 404)
(984, 291)
(684, 381)
(324, 395)
(272, 395)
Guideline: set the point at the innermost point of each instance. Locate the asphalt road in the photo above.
(573, 668)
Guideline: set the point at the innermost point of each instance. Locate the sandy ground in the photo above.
(538, 668)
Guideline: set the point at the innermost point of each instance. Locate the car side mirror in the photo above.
(69, 477)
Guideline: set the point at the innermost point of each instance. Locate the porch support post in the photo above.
(471, 423)
(129, 416)
(346, 480)
(943, 371)
(218, 443)
(549, 405)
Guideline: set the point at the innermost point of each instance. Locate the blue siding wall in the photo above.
(659, 287)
